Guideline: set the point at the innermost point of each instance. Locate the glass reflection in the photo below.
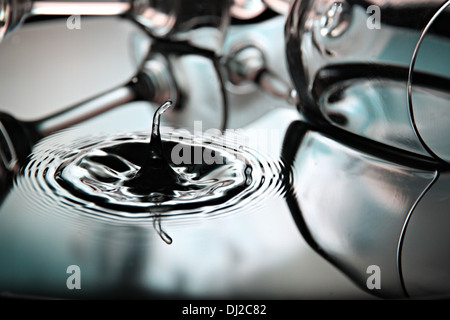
(349, 205)
(352, 73)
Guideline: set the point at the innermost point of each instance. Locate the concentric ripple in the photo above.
(92, 176)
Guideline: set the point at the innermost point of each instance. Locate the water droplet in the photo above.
(126, 178)
(156, 174)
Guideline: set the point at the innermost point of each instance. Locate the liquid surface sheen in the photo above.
(112, 176)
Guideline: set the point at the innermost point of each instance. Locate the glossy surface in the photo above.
(123, 177)
(256, 252)
(14, 12)
(425, 258)
(352, 206)
(193, 81)
(247, 66)
(202, 23)
(154, 83)
(429, 105)
(248, 102)
(372, 108)
(338, 54)
(200, 92)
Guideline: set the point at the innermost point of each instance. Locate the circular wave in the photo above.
(86, 175)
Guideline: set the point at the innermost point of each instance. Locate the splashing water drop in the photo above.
(156, 174)
(127, 178)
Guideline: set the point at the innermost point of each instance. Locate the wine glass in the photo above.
(201, 23)
(351, 60)
(372, 152)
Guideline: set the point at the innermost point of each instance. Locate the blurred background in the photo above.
(355, 141)
(44, 68)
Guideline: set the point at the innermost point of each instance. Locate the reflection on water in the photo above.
(351, 206)
(96, 176)
(250, 249)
